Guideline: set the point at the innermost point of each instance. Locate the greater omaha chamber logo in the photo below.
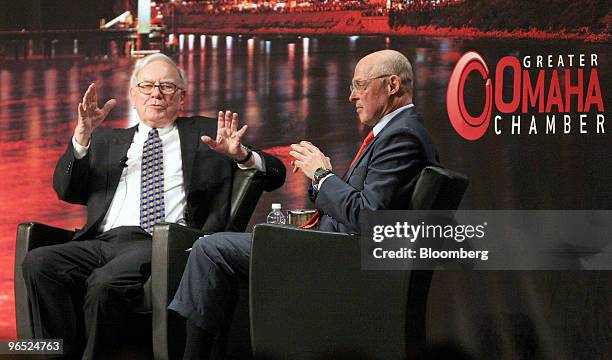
(533, 95)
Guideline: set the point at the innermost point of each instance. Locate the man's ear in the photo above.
(394, 84)
(131, 97)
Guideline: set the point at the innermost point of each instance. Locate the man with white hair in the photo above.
(382, 176)
(157, 171)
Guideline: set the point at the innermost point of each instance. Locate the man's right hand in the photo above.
(90, 115)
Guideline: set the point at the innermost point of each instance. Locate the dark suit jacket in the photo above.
(383, 178)
(93, 180)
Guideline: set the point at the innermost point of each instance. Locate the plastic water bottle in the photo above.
(276, 215)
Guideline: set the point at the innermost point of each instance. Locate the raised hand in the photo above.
(308, 158)
(229, 138)
(90, 115)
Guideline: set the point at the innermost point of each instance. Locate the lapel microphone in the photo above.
(123, 162)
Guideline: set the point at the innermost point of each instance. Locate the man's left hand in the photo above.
(308, 158)
(229, 138)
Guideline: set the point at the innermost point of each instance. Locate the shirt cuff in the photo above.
(258, 163)
(79, 150)
(318, 186)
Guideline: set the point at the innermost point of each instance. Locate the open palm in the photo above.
(229, 138)
(90, 115)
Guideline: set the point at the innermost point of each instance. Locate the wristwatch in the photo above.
(247, 158)
(320, 173)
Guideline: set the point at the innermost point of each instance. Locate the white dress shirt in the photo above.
(124, 209)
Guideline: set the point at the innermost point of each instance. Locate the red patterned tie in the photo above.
(315, 218)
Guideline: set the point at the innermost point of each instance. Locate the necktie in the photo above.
(315, 218)
(152, 208)
(368, 139)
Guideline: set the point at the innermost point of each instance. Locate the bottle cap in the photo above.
(276, 206)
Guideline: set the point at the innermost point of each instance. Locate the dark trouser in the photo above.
(207, 293)
(103, 276)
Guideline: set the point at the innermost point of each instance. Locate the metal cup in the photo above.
(300, 217)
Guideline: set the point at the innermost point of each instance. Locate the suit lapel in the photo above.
(409, 112)
(361, 157)
(190, 137)
(117, 150)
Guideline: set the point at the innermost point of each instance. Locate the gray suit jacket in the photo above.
(383, 177)
(208, 175)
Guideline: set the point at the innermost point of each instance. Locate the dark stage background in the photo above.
(288, 89)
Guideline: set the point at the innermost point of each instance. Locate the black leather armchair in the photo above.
(309, 298)
(168, 262)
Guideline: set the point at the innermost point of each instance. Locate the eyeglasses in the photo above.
(361, 85)
(166, 88)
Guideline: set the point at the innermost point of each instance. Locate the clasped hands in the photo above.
(308, 158)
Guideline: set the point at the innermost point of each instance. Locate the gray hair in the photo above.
(153, 58)
(395, 63)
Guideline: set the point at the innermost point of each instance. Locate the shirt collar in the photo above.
(385, 119)
(144, 129)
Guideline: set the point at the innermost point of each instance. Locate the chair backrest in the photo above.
(246, 191)
(438, 189)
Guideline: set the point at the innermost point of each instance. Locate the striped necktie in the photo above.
(317, 216)
(152, 208)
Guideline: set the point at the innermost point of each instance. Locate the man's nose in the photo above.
(156, 93)
(353, 96)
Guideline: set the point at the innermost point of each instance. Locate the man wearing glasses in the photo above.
(130, 179)
(382, 176)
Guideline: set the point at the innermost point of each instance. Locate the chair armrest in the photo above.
(31, 235)
(308, 295)
(169, 257)
(168, 260)
(247, 187)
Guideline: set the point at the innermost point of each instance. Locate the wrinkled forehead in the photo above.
(158, 71)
